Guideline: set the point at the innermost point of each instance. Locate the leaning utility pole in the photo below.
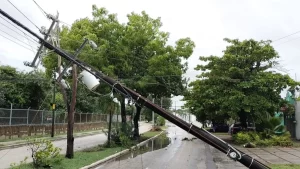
(70, 137)
(46, 34)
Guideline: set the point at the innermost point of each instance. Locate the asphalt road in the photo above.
(16, 155)
(179, 154)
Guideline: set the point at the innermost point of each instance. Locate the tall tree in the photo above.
(157, 68)
(239, 84)
(22, 89)
(136, 53)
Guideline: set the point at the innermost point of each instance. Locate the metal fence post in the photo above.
(80, 117)
(10, 116)
(42, 122)
(86, 117)
(65, 117)
(28, 115)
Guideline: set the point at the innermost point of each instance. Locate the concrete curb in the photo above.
(119, 154)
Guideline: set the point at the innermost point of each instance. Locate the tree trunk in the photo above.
(70, 138)
(123, 114)
(136, 133)
(243, 118)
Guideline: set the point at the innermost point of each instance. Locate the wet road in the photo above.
(178, 155)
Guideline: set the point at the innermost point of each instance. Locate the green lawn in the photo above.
(285, 166)
(150, 134)
(81, 159)
(89, 156)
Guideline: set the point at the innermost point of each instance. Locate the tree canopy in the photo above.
(239, 84)
(24, 89)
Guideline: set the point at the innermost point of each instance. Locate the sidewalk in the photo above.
(16, 155)
(21, 142)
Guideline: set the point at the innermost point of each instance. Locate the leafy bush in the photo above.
(241, 138)
(43, 152)
(20, 165)
(160, 121)
(283, 140)
(264, 142)
(121, 136)
(125, 141)
(270, 127)
(261, 140)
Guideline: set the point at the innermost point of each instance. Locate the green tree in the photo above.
(22, 89)
(239, 84)
(166, 104)
(157, 68)
(135, 53)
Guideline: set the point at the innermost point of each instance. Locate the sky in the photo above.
(206, 22)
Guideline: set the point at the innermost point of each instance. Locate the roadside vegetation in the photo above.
(45, 155)
(285, 166)
(270, 133)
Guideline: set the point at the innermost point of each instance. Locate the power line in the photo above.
(42, 10)
(18, 28)
(17, 32)
(13, 37)
(288, 41)
(23, 14)
(15, 42)
(285, 36)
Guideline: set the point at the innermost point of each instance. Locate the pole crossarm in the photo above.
(200, 133)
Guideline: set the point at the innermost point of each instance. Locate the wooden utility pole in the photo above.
(109, 124)
(71, 111)
(70, 137)
(53, 107)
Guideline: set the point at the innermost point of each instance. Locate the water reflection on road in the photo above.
(177, 155)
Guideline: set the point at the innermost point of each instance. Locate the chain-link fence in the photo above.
(9, 117)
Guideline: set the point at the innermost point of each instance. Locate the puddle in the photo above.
(159, 142)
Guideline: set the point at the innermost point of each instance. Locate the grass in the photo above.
(164, 127)
(88, 156)
(296, 143)
(150, 134)
(285, 166)
(81, 159)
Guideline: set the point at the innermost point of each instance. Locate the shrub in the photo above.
(260, 139)
(125, 141)
(264, 142)
(242, 138)
(160, 121)
(43, 152)
(20, 165)
(283, 140)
